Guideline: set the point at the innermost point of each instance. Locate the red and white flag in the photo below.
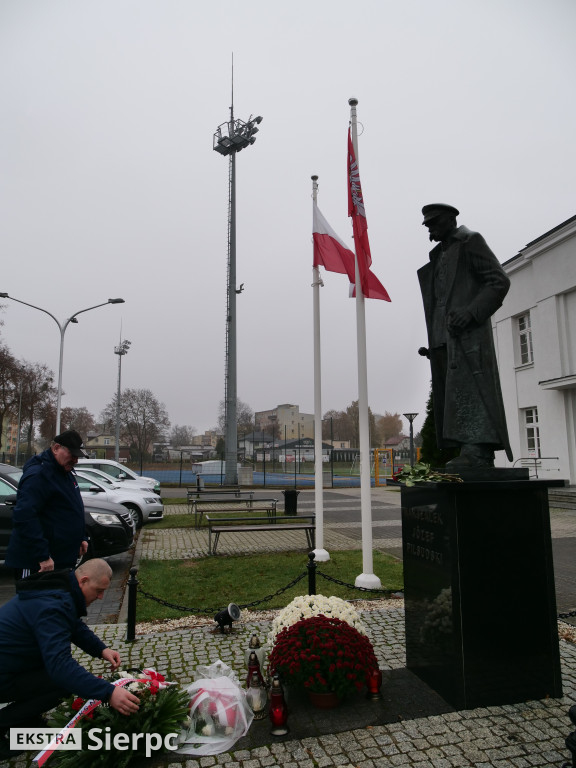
(329, 251)
(372, 288)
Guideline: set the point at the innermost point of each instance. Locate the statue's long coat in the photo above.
(468, 405)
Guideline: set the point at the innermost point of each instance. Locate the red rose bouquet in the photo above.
(323, 654)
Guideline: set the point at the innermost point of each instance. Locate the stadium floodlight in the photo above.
(229, 139)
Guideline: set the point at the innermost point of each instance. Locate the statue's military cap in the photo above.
(435, 209)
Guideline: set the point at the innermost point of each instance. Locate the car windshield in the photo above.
(14, 474)
(6, 490)
(85, 482)
(97, 476)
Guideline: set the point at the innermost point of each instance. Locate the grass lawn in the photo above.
(211, 583)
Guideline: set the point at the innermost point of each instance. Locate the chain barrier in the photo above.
(215, 610)
(254, 603)
(360, 589)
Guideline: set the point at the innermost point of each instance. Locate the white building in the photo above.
(535, 336)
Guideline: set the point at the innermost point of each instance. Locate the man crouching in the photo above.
(37, 628)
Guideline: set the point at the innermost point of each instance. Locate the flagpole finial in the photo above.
(353, 102)
(314, 178)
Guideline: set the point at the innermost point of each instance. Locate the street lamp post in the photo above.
(411, 417)
(230, 138)
(62, 328)
(120, 350)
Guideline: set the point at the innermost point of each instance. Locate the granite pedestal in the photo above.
(481, 624)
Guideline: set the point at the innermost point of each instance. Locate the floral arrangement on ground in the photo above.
(306, 606)
(322, 655)
(163, 711)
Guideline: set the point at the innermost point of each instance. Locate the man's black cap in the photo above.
(72, 440)
(435, 209)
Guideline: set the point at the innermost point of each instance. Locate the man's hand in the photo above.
(124, 701)
(46, 565)
(108, 654)
(83, 549)
(458, 319)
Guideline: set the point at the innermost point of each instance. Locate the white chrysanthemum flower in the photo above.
(306, 606)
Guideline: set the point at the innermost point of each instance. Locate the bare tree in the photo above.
(244, 417)
(143, 418)
(79, 419)
(345, 425)
(389, 425)
(38, 393)
(10, 379)
(181, 435)
(337, 423)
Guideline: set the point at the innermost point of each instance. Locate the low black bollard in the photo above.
(132, 590)
(311, 573)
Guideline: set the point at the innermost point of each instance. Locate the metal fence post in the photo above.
(311, 573)
(132, 590)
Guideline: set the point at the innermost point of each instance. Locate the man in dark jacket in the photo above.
(462, 286)
(37, 627)
(48, 519)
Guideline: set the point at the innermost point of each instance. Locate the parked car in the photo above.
(144, 505)
(119, 472)
(11, 473)
(110, 527)
(126, 483)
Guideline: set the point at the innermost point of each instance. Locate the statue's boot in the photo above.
(472, 455)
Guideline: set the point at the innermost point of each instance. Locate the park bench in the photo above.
(215, 495)
(199, 507)
(195, 492)
(220, 525)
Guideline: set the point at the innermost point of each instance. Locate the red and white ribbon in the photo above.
(152, 677)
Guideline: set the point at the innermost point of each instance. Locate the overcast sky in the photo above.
(109, 186)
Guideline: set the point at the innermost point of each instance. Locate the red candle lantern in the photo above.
(374, 683)
(278, 711)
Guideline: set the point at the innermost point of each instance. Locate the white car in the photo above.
(119, 472)
(102, 477)
(144, 505)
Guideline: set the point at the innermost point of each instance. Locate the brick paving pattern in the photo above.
(520, 735)
(523, 735)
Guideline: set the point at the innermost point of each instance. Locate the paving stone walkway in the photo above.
(393, 734)
(520, 735)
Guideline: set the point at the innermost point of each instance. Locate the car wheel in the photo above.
(136, 515)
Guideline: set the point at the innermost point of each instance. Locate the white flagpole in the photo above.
(320, 554)
(367, 578)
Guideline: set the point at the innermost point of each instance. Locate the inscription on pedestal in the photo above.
(477, 575)
(423, 533)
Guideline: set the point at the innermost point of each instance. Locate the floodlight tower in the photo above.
(230, 138)
(120, 350)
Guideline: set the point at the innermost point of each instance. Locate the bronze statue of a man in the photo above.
(462, 286)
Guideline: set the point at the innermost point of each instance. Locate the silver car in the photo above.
(145, 506)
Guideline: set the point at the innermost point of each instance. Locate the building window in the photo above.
(532, 432)
(525, 339)
(106, 441)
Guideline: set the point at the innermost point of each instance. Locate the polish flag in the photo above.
(372, 288)
(329, 251)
